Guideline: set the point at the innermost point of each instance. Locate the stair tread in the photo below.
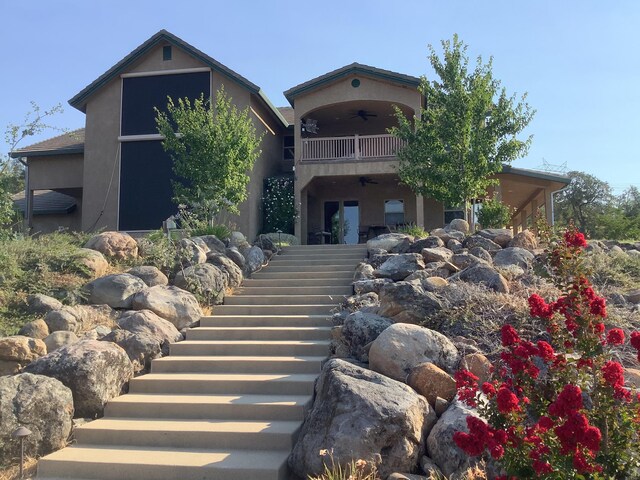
(192, 425)
(253, 342)
(258, 329)
(234, 358)
(214, 399)
(246, 377)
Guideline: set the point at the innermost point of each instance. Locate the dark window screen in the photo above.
(141, 94)
(145, 186)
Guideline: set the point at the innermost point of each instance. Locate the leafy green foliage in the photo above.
(278, 203)
(466, 132)
(494, 213)
(213, 147)
(583, 201)
(414, 230)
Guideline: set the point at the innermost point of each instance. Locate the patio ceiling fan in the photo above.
(364, 180)
(363, 114)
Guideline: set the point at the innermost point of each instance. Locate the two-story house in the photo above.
(114, 173)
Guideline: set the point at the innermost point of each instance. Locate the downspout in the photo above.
(553, 211)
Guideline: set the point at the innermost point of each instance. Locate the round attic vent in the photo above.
(355, 83)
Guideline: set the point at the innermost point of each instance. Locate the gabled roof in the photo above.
(79, 100)
(287, 113)
(67, 143)
(46, 202)
(354, 68)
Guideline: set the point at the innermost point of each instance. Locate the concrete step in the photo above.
(240, 407)
(135, 463)
(327, 267)
(346, 274)
(259, 333)
(234, 364)
(269, 310)
(189, 433)
(259, 384)
(251, 347)
(356, 255)
(293, 290)
(284, 300)
(266, 321)
(303, 261)
(324, 248)
(281, 282)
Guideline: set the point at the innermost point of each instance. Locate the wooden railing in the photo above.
(350, 148)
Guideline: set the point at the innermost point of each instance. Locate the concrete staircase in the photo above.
(229, 400)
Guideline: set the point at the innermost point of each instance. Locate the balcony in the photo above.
(357, 147)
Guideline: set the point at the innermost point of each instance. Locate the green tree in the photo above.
(494, 213)
(466, 132)
(213, 147)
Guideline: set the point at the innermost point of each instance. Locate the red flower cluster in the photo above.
(467, 385)
(573, 238)
(519, 353)
(569, 401)
(613, 374)
(615, 336)
(635, 342)
(481, 436)
(507, 401)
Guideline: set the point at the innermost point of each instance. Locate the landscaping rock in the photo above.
(237, 239)
(400, 266)
(486, 275)
(455, 246)
(120, 246)
(201, 243)
(632, 377)
(377, 259)
(224, 263)
(254, 260)
(407, 302)
(440, 445)
(441, 406)
(363, 271)
(446, 235)
(94, 261)
(39, 304)
(59, 339)
(514, 256)
(150, 275)
(360, 302)
(465, 260)
(426, 281)
(438, 269)
(482, 254)
(458, 224)
(427, 242)
(633, 296)
(146, 322)
(401, 347)
(205, 279)
(190, 253)
(18, 351)
(95, 372)
(236, 257)
(440, 254)
(265, 243)
(213, 243)
(525, 239)
(97, 333)
(141, 348)
(432, 382)
(171, 303)
(39, 403)
(396, 242)
(368, 286)
(430, 468)
(480, 241)
(358, 413)
(477, 364)
(64, 319)
(406, 476)
(89, 316)
(359, 330)
(115, 290)
(35, 329)
(501, 236)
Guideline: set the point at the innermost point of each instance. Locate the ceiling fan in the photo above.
(363, 114)
(364, 180)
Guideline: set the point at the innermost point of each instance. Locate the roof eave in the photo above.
(536, 174)
(46, 153)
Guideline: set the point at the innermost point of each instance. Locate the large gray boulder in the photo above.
(514, 256)
(95, 372)
(35, 329)
(501, 236)
(359, 330)
(141, 348)
(525, 239)
(59, 339)
(440, 445)
(438, 254)
(178, 306)
(115, 290)
(206, 280)
(150, 275)
(254, 259)
(146, 322)
(213, 243)
(480, 241)
(18, 351)
(357, 414)
(368, 286)
(363, 271)
(427, 242)
(236, 257)
(39, 403)
(407, 302)
(401, 347)
(40, 304)
(237, 239)
(459, 225)
(120, 246)
(64, 319)
(94, 261)
(448, 234)
(391, 242)
(191, 253)
(465, 260)
(224, 263)
(485, 275)
(400, 266)
(482, 254)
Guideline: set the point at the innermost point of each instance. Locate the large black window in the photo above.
(141, 94)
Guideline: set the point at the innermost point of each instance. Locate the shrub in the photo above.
(558, 408)
(494, 213)
(278, 204)
(354, 470)
(413, 230)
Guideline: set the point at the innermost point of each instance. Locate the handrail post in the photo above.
(356, 147)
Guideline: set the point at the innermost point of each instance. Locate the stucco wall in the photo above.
(55, 171)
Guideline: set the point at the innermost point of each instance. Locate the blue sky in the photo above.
(579, 61)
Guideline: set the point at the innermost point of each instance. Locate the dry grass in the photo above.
(13, 472)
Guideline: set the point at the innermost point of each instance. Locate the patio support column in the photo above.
(523, 218)
(534, 213)
(420, 211)
(548, 206)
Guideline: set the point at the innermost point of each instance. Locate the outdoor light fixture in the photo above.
(21, 433)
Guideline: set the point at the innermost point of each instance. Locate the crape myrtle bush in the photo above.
(278, 203)
(558, 409)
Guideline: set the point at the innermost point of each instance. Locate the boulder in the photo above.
(359, 330)
(18, 351)
(141, 348)
(89, 316)
(459, 225)
(633, 253)
(39, 403)
(632, 377)
(501, 236)
(94, 261)
(35, 329)
(441, 406)
(150, 275)
(396, 242)
(426, 281)
(378, 259)
(479, 241)
(477, 364)
(359, 302)
(201, 243)
(446, 235)
(406, 476)
(407, 302)
(205, 279)
(368, 286)
(482, 254)
(40, 304)
(236, 257)
(190, 253)
(98, 333)
(171, 303)
(363, 271)
(64, 319)
(360, 414)
(428, 242)
(95, 372)
(266, 243)
(115, 290)
(254, 259)
(224, 263)
(486, 275)
(633, 296)
(213, 243)
(146, 322)
(465, 260)
(429, 467)
(438, 269)
(432, 382)
(401, 347)
(120, 246)
(616, 250)
(400, 266)
(59, 339)
(237, 239)
(513, 256)
(455, 246)
(525, 239)
(439, 254)
(440, 445)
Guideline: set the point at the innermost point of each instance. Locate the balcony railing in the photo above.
(350, 148)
